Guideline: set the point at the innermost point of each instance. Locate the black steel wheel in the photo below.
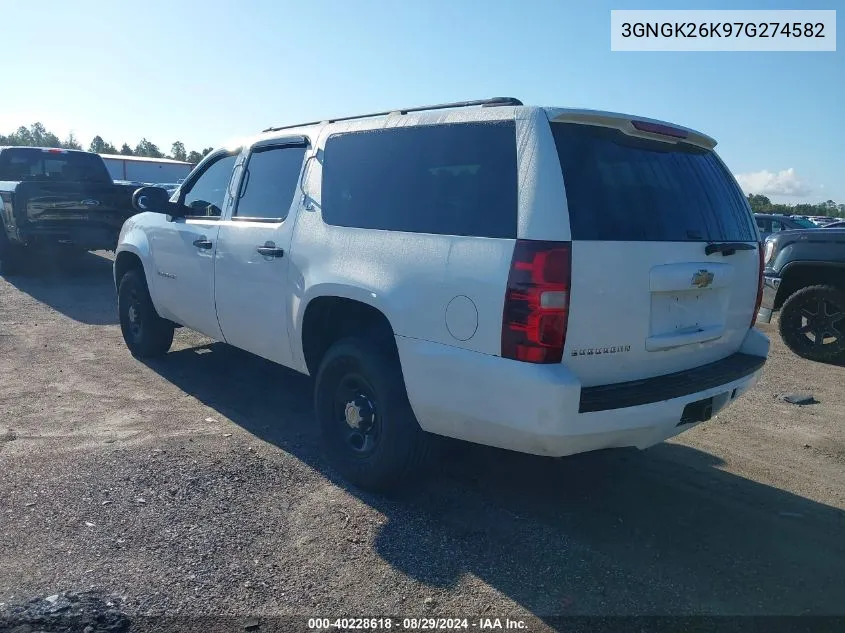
(355, 412)
(146, 334)
(368, 428)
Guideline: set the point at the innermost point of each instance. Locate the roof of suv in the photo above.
(498, 108)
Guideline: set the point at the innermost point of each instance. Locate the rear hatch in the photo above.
(70, 204)
(665, 261)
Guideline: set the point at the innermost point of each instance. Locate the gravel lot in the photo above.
(194, 486)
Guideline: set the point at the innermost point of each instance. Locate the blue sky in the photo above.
(204, 71)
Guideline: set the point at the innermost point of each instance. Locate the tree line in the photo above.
(762, 204)
(36, 135)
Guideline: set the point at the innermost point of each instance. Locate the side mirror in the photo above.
(153, 199)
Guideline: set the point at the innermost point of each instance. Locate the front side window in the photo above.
(205, 195)
(269, 183)
(453, 179)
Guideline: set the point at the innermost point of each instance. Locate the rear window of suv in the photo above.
(453, 179)
(21, 164)
(625, 188)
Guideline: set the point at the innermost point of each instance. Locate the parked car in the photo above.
(508, 275)
(55, 196)
(804, 278)
(824, 220)
(169, 187)
(772, 223)
(835, 225)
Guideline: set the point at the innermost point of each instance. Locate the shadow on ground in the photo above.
(79, 285)
(656, 532)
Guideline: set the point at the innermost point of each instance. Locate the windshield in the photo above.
(36, 164)
(806, 224)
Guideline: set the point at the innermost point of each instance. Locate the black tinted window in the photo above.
(271, 177)
(623, 188)
(457, 179)
(206, 194)
(23, 164)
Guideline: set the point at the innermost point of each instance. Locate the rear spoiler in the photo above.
(634, 126)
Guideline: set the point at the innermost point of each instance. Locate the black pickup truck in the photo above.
(804, 278)
(57, 198)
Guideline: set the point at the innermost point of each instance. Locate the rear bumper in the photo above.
(83, 237)
(538, 409)
(771, 284)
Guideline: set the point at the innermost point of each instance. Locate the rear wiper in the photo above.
(728, 248)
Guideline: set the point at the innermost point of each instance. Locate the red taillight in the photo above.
(759, 301)
(537, 301)
(656, 128)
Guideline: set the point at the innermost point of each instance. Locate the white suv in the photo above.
(545, 280)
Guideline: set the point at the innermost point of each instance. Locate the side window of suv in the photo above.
(452, 179)
(776, 226)
(205, 195)
(269, 183)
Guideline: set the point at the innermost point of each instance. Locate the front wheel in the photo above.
(368, 429)
(146, 334)
(812, 323)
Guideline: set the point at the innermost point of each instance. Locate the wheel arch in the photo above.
(333, 312)
(800, 274)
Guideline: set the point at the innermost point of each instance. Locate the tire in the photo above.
(12, 256)
(800, 320)
(378, 445)
(146, 334)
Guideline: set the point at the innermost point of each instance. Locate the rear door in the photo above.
(654, 289)
(252, 255)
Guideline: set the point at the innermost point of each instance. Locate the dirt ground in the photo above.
(194, 485)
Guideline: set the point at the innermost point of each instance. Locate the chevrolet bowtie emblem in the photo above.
(702, 279)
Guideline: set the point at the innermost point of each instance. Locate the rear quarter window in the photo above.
(455, 179)
(625, 188)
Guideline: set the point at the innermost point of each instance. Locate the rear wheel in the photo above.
(812, 323)
(11, 255)
(368, 429)
(146, 334)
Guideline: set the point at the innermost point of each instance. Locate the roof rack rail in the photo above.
(486, 103)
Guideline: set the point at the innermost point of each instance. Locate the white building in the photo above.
(148, 170)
